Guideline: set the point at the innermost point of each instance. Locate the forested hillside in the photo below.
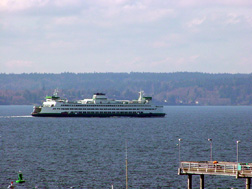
(181, 88)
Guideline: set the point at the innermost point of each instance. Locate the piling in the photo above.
(189, 182)
(202, 182)
(248, 183)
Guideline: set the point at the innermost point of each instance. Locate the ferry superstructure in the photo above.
(98, 106)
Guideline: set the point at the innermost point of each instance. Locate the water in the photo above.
(90, 152)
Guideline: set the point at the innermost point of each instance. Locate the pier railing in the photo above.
(216, 168)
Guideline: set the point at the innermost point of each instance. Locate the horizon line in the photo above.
(227, 73)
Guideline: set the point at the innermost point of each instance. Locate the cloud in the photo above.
(66, 20)
(67, 3)
(115, 11)
(111, 13)
(233, 18)
(196, 22)
(10, 5)
(169, 40)
(216, 3)
(246, 62)
(146, 35)
(193, 58)
(180, 63)
(17, 5)
(17, 64)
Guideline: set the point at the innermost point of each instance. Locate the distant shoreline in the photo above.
(179, 88)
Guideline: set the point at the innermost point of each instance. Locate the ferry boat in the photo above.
(98, 106)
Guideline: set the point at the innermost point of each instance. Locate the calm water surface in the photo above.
(90, 152)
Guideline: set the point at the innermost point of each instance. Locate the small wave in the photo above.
(23, 116)
(15, 116)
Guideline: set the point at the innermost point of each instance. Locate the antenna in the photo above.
(55, 93)
(126, 161)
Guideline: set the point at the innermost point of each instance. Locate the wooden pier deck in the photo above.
(238, 170)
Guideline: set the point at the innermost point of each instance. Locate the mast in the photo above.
(126, 162)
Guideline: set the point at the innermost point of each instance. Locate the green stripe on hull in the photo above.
(99, 115)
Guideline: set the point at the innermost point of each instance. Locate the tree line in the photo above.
(178, 88)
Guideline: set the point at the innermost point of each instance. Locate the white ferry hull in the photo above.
(98, 115)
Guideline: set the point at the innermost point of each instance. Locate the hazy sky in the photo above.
(54, 36)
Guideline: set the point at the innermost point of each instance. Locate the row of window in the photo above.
(106, 112)
(99, 109)
(108, 105)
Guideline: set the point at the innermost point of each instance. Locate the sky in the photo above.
(55, 36)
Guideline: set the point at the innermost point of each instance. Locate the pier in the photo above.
(237, 170)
